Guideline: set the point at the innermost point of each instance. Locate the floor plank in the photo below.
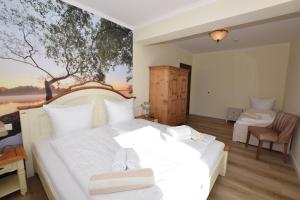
(246, 178)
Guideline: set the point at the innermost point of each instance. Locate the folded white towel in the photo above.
(132, 159)
(121, 181)
(180, 132)
(119, 161)
(125, 159)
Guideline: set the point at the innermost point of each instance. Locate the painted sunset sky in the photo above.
(14, 74)
(25, 61)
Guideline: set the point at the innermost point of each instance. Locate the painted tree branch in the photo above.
(28, 43)
(17, 60)
(70, 37)
(30, 56)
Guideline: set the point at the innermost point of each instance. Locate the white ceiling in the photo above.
(279, 31)
(137, 13)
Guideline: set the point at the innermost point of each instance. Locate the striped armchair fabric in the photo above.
(280, 131)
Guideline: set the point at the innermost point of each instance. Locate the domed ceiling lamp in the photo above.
(218, 35)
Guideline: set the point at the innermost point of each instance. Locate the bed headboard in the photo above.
(35, 123)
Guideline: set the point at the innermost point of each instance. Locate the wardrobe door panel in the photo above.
(168, 94)
(158, 94)
(183, 94)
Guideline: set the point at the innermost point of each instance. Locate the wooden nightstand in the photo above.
(12, 159)
(149, 118)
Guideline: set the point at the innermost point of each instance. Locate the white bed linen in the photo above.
(211, 154)
(90, 153)
(257, 117)
(130, 125)
(68, 188)
(253, 117)
(63, 183)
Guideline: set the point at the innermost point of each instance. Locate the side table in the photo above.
(12, 159)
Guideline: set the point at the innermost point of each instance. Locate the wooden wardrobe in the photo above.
(168, 94)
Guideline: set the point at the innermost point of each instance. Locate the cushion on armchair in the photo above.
(263, 133)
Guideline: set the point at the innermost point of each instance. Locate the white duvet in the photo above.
(91, 152)
(256, 117)
(131, 125)
(179, 171)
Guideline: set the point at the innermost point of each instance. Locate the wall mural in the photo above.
(48, 45)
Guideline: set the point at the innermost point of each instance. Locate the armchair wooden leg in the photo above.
(285, 155)
(248, 138)
(271, 146)
(260, 143)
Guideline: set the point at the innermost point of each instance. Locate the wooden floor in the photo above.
(246, 178)
(35, 192)
(266, 179)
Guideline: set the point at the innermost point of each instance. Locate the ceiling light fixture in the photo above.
(218, 35)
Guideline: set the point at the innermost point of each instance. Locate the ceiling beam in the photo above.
(220, 14)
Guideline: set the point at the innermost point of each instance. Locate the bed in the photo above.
(57, 178)
(254, 117)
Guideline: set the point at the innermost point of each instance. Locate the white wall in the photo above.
(230, 77)
(292, 96)
(145, 56)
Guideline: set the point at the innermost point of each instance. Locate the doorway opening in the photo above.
(188, 67)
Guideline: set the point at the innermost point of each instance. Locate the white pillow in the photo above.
(119, 111)
(259, 103)
(66, 119)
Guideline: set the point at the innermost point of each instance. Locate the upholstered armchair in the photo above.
(280, 131)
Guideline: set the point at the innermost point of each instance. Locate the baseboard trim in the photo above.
(296, 166)
(205, 115)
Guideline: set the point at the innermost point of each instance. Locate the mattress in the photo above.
(65, 185)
